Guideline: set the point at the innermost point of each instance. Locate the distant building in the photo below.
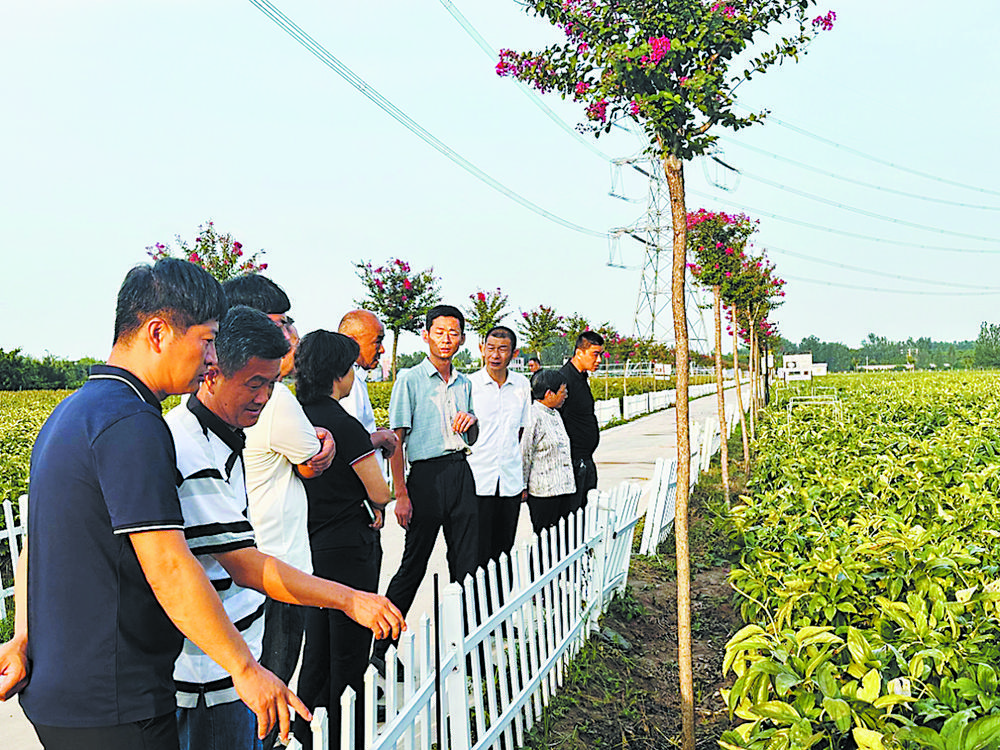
(800, 367)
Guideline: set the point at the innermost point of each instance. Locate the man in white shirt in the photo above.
(280, 447)
(365, 328)
(502, 400)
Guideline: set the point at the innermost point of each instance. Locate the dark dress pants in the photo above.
(151, 734)
(443, 495)
(498, 518)
(284, 625)
(337, 648)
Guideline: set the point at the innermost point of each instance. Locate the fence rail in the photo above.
(629, 407)
(662, 489)
(13, 535)
(505, 637)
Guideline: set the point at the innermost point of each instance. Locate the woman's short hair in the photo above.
(321, 358)
(544, 381)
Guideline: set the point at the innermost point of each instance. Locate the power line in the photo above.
(869, 214)
(780, 251)
(888, 291)
(325, 57)
(842, 232)
(525, 89)
(851, 180)
(876, 159)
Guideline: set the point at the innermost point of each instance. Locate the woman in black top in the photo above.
(346, 507)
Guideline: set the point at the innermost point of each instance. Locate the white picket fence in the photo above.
(13, 534)
(629, 407)
(499, 667)
(662, 489)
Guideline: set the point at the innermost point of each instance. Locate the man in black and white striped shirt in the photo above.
(208, 435)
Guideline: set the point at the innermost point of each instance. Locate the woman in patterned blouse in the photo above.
(548, 469)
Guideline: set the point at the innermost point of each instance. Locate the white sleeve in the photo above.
(288, 430)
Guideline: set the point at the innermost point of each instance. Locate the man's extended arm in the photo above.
(14, 653)
(179, 583)
(251, 568)
(397, 465)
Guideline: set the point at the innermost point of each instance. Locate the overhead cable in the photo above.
(866, 212)
(922, 293)
(842, 232)
(873, 272)
(534, 97)
(851, 180)
(876, 159)
(318, 51)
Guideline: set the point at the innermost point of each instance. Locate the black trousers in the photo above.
(152, 734)
(284, 625)
(443, 495)
(585, 471)
(498, 518)
(546, 511)
(337, 648)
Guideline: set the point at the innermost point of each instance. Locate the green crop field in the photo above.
(870, 570)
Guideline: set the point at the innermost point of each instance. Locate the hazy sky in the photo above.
(126, 123)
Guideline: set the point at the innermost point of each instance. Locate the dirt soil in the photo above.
(627, 695)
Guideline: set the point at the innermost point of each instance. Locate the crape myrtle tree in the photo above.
(538, 326)
(752, 293)
(716, 242)
(485, 311)
(399, 295)
(666, 65)
(219, 254)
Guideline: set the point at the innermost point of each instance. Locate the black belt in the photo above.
(447, 457)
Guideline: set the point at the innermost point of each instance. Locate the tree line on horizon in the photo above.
(923, 352)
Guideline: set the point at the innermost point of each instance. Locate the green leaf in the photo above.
(839, 711)
(776, 711)
(867, 739)
(871, 685)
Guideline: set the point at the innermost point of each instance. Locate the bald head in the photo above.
(364, 327)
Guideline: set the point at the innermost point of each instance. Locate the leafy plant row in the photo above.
(870, 570)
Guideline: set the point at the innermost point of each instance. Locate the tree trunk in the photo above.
(719, 380)
(752, 362)
(739, 390)
(674, 168)
(395, 343)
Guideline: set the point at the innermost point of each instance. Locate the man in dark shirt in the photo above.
(578, 413)
(111, 573)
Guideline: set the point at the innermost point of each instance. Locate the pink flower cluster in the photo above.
(598, 110)
(634, 109)
(659, 46)
(727, 10)
(825, 23)
(582, 87)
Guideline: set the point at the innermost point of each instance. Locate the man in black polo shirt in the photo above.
(111, 574)
(578, 413)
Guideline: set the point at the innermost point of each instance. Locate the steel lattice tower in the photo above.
(654, 232)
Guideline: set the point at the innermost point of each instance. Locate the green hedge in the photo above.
(870, 571)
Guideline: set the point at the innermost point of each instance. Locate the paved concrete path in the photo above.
(627, 453)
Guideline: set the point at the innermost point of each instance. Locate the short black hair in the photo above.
(258, 292)
(321, 358)
(183, 293)
(535, 359)
(245, 333)
(544, 381)
(502, 332)
(444, 311)
(588, 339)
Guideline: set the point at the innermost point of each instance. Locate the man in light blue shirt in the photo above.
(431, 412)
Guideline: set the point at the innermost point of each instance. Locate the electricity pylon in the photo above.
(654, 232)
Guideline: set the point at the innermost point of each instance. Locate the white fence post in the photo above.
(455, 733)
